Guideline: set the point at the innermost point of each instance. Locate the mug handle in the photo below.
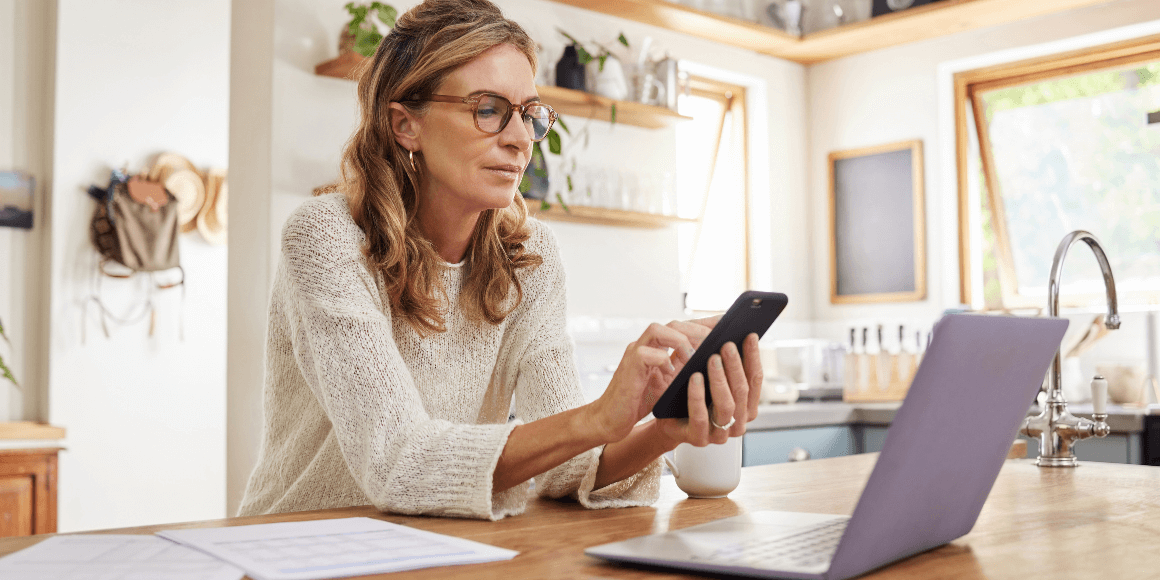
(672, 466)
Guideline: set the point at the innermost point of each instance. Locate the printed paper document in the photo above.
(113, 557)
(333, 548)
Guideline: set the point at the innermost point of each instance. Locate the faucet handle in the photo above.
(1099, 395)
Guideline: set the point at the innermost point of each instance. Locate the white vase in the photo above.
(610, 81)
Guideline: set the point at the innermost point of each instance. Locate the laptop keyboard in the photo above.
(807, 547)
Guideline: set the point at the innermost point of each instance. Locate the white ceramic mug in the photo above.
(710, 471)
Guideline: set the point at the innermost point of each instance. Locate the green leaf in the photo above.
(387, 14)
(359, 14)
(2, 335)
(367, 41)
(563, 205)
(563, 125)
(537, 150)
(525, 184)
(554, 142)
(603, 57)
(540, 172)
(544, 205)
(5, 373)
(614, 113)
(582, 55)
(622, 39)
(568, 178)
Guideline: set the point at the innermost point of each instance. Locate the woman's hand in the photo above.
(735, 382)
(645, 371)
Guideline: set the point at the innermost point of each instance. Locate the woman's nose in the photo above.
(516, 134)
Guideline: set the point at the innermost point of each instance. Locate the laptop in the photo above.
(942, 454)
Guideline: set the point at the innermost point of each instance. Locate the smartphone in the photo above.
(751, 312)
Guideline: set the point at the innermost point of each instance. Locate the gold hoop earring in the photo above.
(411, 155)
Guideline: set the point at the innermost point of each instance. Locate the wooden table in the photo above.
(1098, 521)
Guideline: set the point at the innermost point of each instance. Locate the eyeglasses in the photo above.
(492, 113)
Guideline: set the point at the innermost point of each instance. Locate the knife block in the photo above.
(869, 381)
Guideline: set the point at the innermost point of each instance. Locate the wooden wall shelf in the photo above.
(30, 430)
(592, 106)
(602, 216)
(920, 23)
(565, 101)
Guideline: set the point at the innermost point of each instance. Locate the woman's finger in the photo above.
(698, 425)
(752, 360)
(723, 407)
(738, 387)
(696, 333)
(709, 322)
(660, 335)
(652, 356)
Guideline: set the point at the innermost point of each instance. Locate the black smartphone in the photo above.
(751, 312)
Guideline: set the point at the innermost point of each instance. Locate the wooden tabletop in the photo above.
(1099, 520)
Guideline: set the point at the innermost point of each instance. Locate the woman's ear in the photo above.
(405, 126)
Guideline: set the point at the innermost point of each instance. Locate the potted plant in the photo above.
(5, 372)
(362, 34)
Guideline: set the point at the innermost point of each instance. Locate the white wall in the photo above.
(892, 95)
(27, 35)
(145, 415)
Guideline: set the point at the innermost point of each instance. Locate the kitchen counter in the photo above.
(816, 414)
(1095, 522)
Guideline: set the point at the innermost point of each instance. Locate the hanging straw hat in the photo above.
(181, 179)
(212, 219)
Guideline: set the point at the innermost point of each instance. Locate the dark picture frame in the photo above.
(877, 224)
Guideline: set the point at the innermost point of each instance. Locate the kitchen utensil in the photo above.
(1125, 382)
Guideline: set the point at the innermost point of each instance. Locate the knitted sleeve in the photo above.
(402, 459)
(549, 383)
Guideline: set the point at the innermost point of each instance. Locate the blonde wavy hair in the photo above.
(427, 43)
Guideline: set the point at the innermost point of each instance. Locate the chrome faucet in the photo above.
(1056, 428)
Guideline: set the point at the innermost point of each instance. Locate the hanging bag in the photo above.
(135, 224)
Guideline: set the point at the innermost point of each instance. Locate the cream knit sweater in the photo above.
(360, 410)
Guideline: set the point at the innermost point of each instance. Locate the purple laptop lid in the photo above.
(949, 439)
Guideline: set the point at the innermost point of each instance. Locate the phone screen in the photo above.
(752, 312)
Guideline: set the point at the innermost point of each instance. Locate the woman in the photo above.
(417, 311)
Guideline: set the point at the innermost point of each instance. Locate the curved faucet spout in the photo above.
(1112, 320)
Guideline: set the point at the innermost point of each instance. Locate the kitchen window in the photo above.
(711, 179)
(1054, 145)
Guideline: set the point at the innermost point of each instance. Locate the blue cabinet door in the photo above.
(766, 447)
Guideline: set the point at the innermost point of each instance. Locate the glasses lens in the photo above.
(492, 113)
(538, 118)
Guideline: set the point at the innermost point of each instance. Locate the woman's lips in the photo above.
(509, 172)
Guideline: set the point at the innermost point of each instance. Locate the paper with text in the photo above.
(333, 548)
(113, 557)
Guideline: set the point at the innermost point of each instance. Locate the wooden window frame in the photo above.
(732, 97)
(969, 83)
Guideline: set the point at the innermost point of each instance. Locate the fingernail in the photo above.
(672, 368)
(689, 351)
(717, 361)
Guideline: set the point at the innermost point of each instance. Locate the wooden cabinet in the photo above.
(27, 491)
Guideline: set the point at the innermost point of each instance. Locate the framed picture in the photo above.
(16, 191)
(877, 224)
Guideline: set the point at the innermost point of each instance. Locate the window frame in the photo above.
(969, 83)
(733, 99)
